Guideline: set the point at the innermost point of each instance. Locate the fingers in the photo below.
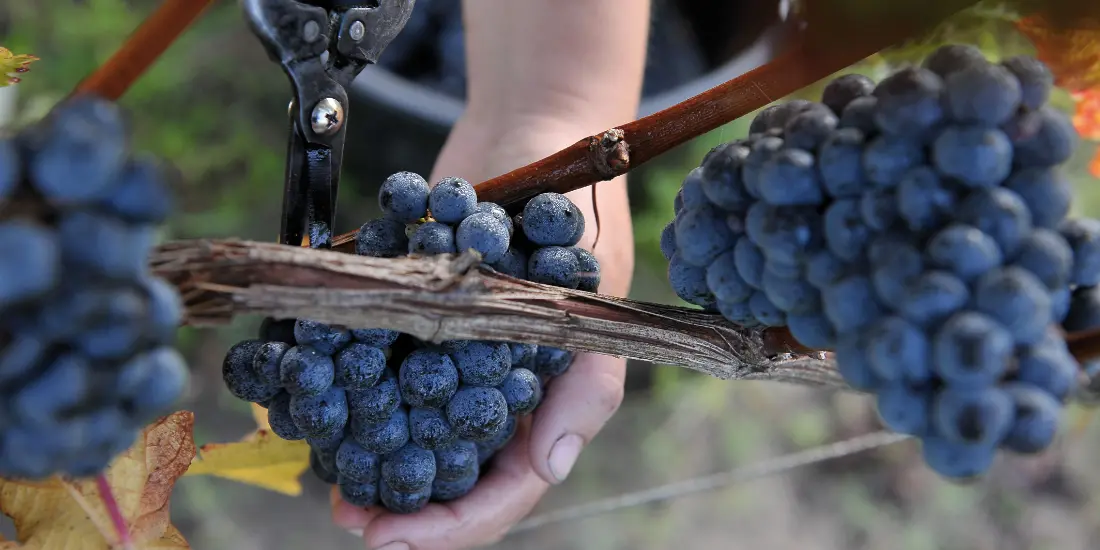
(577, 406)
(503, 496)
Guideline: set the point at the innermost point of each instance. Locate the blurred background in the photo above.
(215, 106)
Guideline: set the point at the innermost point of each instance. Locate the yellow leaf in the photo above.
(71, 515)
(262, 459)
(260, 415)
(11, 64)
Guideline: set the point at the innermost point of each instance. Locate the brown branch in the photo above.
(451, 297)
(142, 48)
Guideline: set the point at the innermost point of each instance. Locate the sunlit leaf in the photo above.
(261, 459)
(12, 65)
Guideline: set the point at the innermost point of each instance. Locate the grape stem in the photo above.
(142, 48)
(125, 542)
(451, 297)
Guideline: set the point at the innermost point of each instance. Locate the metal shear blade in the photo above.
(322, 46)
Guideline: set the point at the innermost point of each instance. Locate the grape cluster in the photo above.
(394, 420)
(918, 228)
(86, 331)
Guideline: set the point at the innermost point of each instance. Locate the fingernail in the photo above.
(564, 454)
(356, 532)
(394, 546)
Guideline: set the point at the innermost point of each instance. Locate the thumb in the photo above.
(576, 407)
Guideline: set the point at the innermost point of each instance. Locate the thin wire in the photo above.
(712, 482)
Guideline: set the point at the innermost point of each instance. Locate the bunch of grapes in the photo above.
(86, 332)
(394, 420)
(918, 228)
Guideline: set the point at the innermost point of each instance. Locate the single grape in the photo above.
(358, 493)
(909, 103)
(723, 280)
(1048, 368)
(428, 378)
(1047, 193)
(522, 391)
(355, 463)
(850, 303)
(552, 362)
(840, 163)
(403, 503)
(513, 263)
(933, 297)
(999, 213)
(382, 238)
(477, 413)
(852, 362)
(689, 282)
(749, 260)
(550, 219)
(789, 178)
(483, 363)
(432, 238)
(860, 115)
(429, 429)
(1051, 143)
(240, 378)
(499, 212)
(923, 200)
(899, 351)
(824, 268)
(842, 90)
(895, 272)
(103, 245)
(668, 240)
(484, 233)
(1083, 236)
(702, 234)
(451, 200)
(358, 366)
(983, 94)
(813, 330)
(140, 196)
(903, 409)
(809, 129)
(1016, 299)
(975, 155)
(691, 191)
(152, 382)
(886, 159)
(382, 438)
(786, 234)
(376, 337)
(456, 460)
(1036, 80)
(446, 491)
(84, 151)
(376, 404)
(963, 250)
(523, 355)
(554, 265)
(971, 350)
(588, 270)
(765, 311)
(324, 338)
(1036, 419)
(761, 151)
(951, 58)
(320, 414)
(956, 460)
(980, 416)
(721, 177)
(403, 197)
(792, 296)
(278, 417)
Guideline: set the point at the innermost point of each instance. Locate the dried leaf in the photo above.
(56, 513)
(262, 459)
(12, 65)
(1072, 53)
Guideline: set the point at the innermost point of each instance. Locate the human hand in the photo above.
(576, 405)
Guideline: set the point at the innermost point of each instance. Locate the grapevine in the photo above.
(916, 228)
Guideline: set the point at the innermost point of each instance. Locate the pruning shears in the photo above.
(322, 45)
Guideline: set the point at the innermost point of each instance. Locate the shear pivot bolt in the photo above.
(357, 31)
(327, 116)
(311, 31)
